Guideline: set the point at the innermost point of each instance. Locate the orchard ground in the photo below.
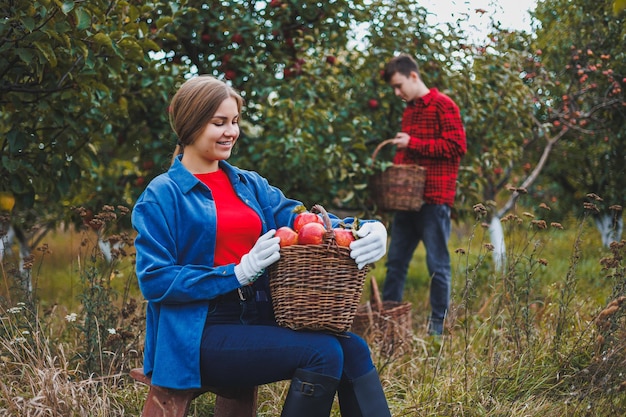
(545, 336)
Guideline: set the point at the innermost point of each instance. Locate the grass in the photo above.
(543, 336)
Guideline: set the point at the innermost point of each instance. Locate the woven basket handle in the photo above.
(329, 236)
(376, 301)
(379, 147)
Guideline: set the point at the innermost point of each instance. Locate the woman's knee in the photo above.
(326, 355)
(358, 359)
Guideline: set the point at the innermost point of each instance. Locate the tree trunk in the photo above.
(496, 234)
(610, 228)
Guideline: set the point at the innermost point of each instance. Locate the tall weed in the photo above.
(544, 335)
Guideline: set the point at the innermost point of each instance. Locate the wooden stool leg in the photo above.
(243, 405)
(163, 402)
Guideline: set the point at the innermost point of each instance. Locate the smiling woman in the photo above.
(215, 142)
(208, 134)
(205, 237)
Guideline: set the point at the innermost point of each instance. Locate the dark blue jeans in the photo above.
(238, 349)
(430, 225)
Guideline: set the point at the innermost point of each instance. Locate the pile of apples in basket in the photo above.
(309, 229)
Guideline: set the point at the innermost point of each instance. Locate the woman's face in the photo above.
(215, 143)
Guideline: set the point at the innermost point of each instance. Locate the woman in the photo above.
(205, 235)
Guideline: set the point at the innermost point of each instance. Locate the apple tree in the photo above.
(78, 91)
(580, 91)
(306, 120)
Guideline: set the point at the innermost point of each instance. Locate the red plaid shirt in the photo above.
(437, 143)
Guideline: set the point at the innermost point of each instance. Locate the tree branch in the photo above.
(534, 173)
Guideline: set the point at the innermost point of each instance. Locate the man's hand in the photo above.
(401, 140)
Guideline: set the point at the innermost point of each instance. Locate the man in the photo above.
(432, 136)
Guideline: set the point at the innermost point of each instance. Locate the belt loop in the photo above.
(241, 296)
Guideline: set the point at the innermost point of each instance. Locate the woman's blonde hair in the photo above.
(194, 105)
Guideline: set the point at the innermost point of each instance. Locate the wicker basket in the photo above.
(385, 325)
(316, 287)
(399, 187)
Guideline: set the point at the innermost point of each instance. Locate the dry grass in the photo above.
(38, 379)
(545, 337)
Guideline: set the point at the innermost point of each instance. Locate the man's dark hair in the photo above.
(403, 63)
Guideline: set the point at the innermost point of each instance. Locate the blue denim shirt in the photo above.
(175, 221)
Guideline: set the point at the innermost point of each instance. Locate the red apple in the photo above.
(304, 218)
(373, 104)
(311, 234)
(275, 3)
(206, 38)
(237, 38)
(331, 59)
(230, 74)
(344, 237)
(287, 236)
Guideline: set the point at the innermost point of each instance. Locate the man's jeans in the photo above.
(430, 225)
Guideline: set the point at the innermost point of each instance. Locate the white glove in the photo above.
(265, 252)
(371, 245)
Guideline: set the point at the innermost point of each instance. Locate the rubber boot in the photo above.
(363, 397)
(310, 395)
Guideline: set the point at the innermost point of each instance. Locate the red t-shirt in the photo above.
(238, 225)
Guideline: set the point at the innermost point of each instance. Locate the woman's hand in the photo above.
(265, 252)
(371, 245)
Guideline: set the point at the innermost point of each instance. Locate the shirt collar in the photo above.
(426, 100)
(186, 180)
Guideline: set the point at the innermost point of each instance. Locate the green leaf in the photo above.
(25, 54)
(131, 48)
(83, 18)
(163, 21)
(17, 184)
(16, 140)
(48, 53)
(102, 39)
(63, 185)
(149, 45)
(74, 172)
(67, 6)
(29, 23)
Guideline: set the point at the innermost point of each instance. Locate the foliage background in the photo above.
(84, 90)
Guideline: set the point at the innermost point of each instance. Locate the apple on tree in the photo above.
(237, 38)
(372, 103)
